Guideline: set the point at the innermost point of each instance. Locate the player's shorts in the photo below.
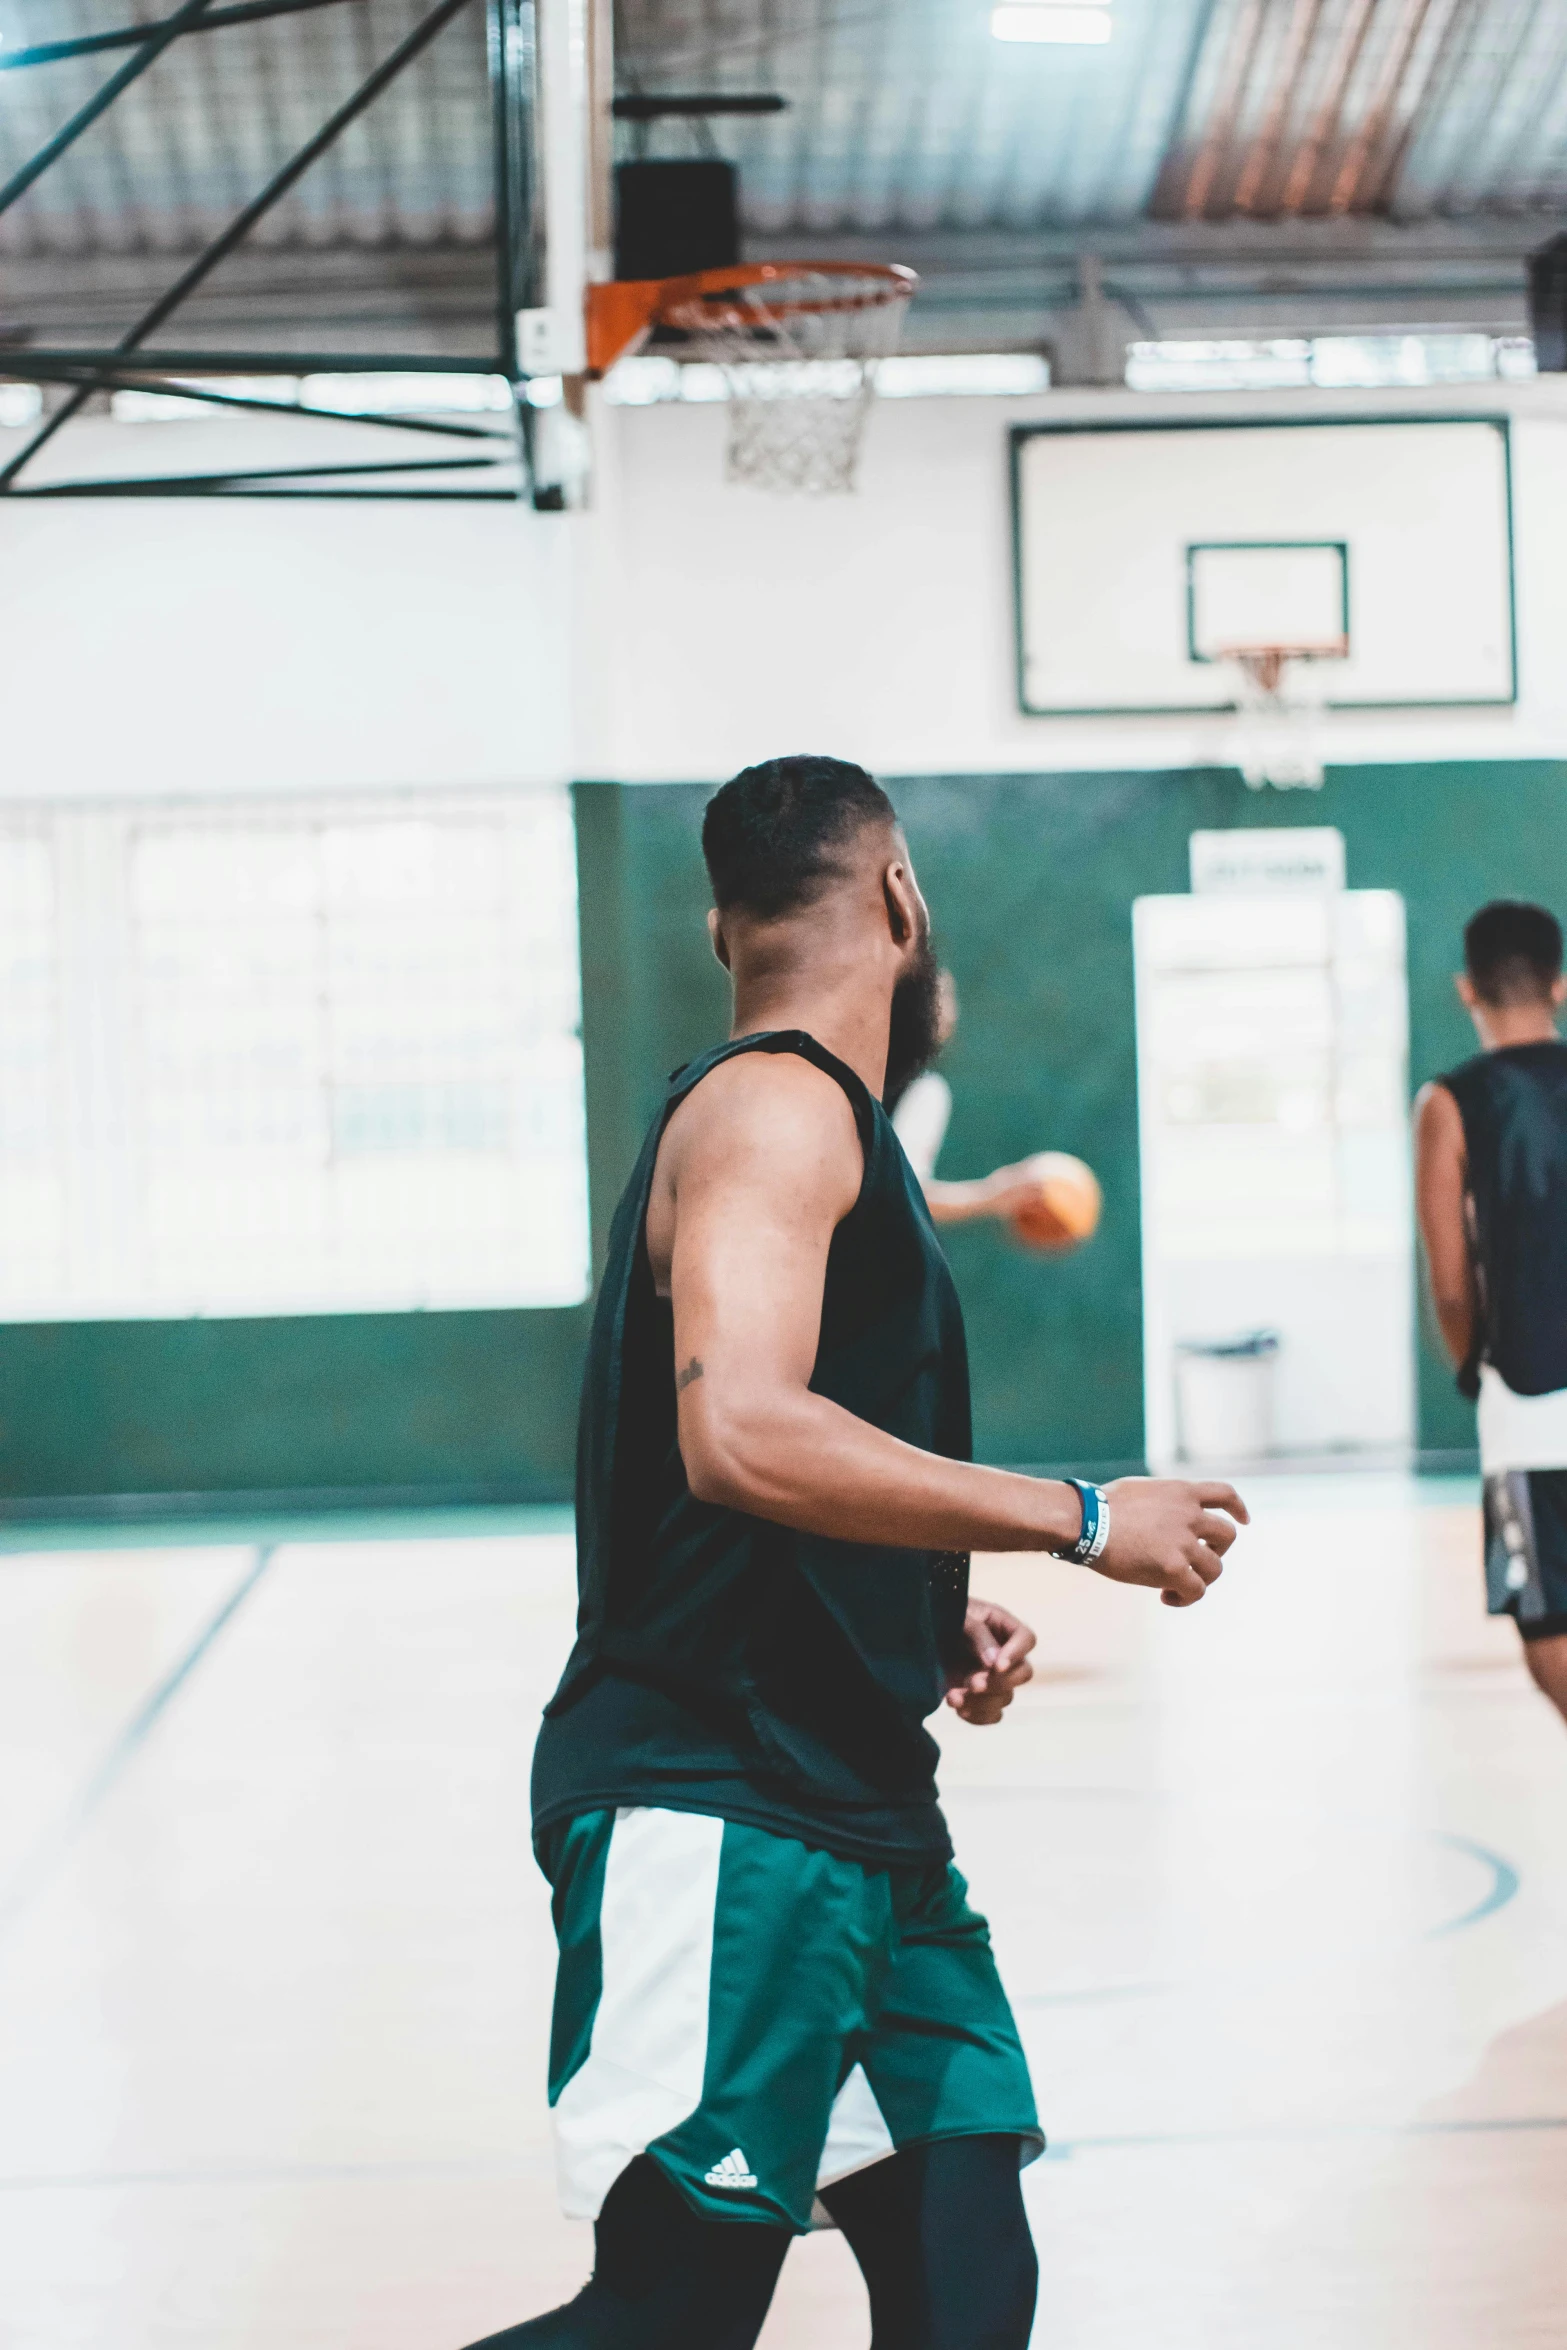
(1526, 1549)
(763, 2019)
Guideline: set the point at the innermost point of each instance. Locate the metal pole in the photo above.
(110, 379)
(26, 361)
(126, 36)
(219, 484)
(511, 77)
(85, 116)
(561, 180)
(243, 222)
(511, 30)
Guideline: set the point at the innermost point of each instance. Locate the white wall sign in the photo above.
(1296, 857)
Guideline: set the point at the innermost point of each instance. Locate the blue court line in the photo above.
(1505, 1885)
(1503, 1888)
(1505, 1882)
(1090, 1994)
(46, 1856)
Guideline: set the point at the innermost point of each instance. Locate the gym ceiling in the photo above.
(1235, 167)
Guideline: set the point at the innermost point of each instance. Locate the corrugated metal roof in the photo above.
(184, 147)
(1416, 108)
(906, 113)
(1235, 125)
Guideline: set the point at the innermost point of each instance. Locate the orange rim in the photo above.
(623, 312)
(1266, 662)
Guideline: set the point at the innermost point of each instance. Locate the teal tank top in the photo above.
(727, 1665)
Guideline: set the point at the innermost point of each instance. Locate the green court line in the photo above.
(455, 1521)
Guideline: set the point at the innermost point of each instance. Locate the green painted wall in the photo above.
(432, 1407)
(1031, 879)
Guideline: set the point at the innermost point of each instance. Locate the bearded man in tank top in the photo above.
(1491, 1187)
(774, 2004)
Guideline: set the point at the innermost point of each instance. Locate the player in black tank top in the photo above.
(1491, 1182)
(725, 1664)
(734, 1788)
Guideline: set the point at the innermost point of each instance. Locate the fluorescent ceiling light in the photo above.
(1047, 20)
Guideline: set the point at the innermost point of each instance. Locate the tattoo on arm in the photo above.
(692, 1372)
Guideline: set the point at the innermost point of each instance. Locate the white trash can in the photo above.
(1224, 1396)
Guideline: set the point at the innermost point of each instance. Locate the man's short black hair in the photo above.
(774, 836)
(1513, 952)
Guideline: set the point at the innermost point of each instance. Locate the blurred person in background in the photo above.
(1491, 1194)
(921, 1111)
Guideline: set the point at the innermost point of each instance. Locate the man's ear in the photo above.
(1559, 991)
(716, 938)
(1464, 989)
(906, 914)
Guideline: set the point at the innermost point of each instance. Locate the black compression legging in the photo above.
(939, 2232)
(662, 2278)
(942, 2240)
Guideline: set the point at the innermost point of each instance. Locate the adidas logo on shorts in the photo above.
(733, 2171)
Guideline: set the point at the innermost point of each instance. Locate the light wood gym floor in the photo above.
(1279, 1888)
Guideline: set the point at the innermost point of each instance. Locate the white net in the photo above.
(1279, 703)
(799, 354)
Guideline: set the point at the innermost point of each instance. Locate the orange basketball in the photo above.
(1064, 1210)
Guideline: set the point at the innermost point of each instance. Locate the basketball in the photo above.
(1064, 1209)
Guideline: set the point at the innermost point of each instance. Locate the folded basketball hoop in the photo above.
(798, 342)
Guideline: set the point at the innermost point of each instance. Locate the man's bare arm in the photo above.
(1441, 1180)
(995, 1195)
(758, 1167)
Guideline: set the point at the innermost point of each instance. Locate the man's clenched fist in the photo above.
(1170, 1535)
(1000, 1643)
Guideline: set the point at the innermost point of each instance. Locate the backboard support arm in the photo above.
(125, 366)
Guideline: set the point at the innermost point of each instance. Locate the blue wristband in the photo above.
(1095, 1531)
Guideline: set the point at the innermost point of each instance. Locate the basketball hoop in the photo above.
(798, 342)
(1281, 692)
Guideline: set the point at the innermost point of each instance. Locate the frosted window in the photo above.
(1328, 360)
(32, 1192)
(321, 1060)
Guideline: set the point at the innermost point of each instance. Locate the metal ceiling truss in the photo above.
(496, 458)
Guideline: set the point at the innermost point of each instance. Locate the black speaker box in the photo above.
(1548, 306)
(673, 218)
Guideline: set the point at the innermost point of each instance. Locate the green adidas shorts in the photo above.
(763, 2018)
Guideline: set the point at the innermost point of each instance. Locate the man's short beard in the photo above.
(915, 1035)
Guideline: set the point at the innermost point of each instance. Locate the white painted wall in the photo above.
(880, 627)
(173, 646)
(678, 631)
